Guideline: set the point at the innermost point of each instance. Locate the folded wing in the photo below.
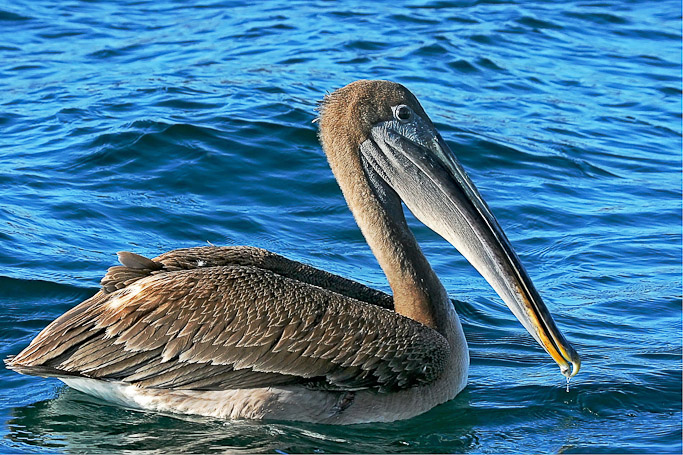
(223, 318)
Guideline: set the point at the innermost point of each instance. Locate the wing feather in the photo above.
(211, 318)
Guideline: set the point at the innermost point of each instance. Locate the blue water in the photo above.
(153, 125)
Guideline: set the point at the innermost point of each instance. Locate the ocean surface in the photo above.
(153, 125)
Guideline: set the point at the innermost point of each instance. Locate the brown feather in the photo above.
(189, 323)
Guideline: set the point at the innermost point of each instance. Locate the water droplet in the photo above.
(567, 384)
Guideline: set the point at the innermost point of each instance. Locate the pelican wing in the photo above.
(202, 319)
(136, 266)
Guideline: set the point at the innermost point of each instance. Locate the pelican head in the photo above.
(383, 147)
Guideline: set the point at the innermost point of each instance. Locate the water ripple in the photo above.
(150, 126)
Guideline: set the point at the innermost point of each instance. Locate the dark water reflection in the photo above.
(72, 421)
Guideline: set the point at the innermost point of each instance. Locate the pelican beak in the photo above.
(416, 162)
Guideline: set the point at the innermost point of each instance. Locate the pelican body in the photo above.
(243, 333)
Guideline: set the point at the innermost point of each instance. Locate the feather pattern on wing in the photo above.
(235, 317)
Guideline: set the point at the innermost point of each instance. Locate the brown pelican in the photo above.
(240, 332)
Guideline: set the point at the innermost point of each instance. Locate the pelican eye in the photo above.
(403, 113)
